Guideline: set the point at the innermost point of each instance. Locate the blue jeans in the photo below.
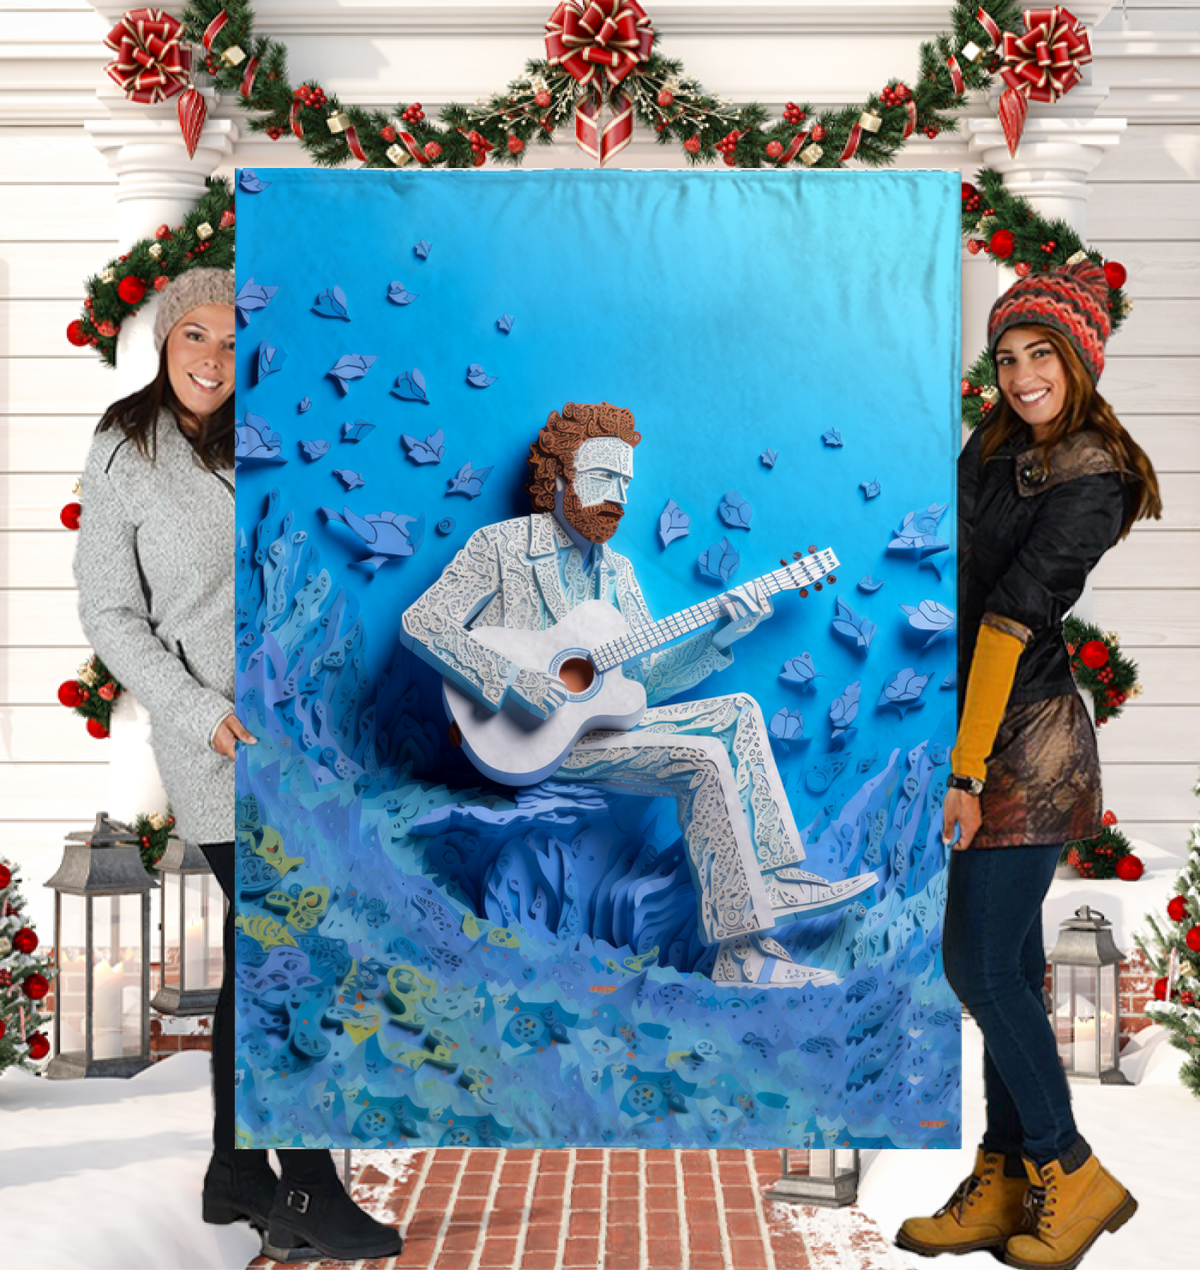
(996, 964)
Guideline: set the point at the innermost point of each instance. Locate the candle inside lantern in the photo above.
(195, 955)
(1085, 1046)
(107, 993)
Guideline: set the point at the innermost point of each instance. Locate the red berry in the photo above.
(543, 99)
(692, 145)
(480, 159)
(1022, 268)
(903, 92)
(161, 281)
(774, 149)
(433, 150)
(731, 159)
(974, 246)
(660, 126)
(388, 133)
(665, 98)
(515, 145)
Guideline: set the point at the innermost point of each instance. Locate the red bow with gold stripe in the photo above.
(1042, 65)
(594, 41)
(150, 64)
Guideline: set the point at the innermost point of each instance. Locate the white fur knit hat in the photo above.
(191, 290)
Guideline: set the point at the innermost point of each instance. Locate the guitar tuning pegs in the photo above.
(811, 547)
(796, 555)
(783, 562)
(816, 586)
(832, 578)
(804, 593)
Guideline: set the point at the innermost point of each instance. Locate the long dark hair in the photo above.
(137, 414)
(1083, 407)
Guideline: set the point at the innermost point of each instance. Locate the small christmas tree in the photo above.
(24, 981)
(1173, 950)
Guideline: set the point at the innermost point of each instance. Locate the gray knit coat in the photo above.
(155, 569)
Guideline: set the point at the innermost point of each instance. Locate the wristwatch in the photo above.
(969, 784)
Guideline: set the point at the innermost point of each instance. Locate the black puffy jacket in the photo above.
(1028, 536)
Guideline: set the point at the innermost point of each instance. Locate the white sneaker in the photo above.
(758, 958)
(794, 891)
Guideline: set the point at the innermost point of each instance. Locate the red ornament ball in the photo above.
(433, 150)
(25, 940)
(5, 877)
(818, 133)
(543, 98)
(1177, 909)
(974, 246)
(1022, 269)
(692, 145)
(1130, 868)
(1160, 989)
(1115, 275)
(515, 145)
(97, 729)
(1002, 243)
(968, 192)
(666, 98)
(1192, 939)
(132, 289)
(35, 986)
(730, 159)
(1094, 653)
(70, 515)
(76, 334)
(774, 149)
(39, 1047)
(69, 694)
(388, 133)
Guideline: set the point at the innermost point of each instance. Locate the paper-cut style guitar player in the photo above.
(553, 666)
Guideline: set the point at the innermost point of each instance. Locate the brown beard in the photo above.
(597, 523)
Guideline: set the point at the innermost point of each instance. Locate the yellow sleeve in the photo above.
(998, 648)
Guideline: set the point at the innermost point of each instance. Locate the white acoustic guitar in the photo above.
(586, 650)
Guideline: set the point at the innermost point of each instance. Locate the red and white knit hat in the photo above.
(1073, 300)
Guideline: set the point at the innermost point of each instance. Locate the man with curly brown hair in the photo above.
(712, 756)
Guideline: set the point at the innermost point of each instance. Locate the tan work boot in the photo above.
(1068, 1213)
(986, 1209)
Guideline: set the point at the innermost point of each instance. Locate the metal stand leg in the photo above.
(347, 1175)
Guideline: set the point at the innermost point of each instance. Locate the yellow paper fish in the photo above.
(265, 932)
(271, 849)
(638, 963)
(502, 937)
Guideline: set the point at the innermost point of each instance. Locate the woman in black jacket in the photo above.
(155, 570)
(1046, 487)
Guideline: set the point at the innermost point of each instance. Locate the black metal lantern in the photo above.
(828, 1179)
(1086, 992)
(193, 914)
(101, 951)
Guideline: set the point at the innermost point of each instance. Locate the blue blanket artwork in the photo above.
(596, 618)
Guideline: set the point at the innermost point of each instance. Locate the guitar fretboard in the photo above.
(800, 573)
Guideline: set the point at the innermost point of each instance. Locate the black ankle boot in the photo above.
(318, 1219)
(239, 1189)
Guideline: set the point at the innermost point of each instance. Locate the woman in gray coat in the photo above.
(155, 571)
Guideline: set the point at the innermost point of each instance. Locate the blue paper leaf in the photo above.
(832, 437)
(477, 377)
(411, 387)
(504, 323)
(850, 626)
(800, 670)
(351, 480)
(249, 181)
(768, 458)
(917, 536)
(673, 523)
(428, 451)
(351, 366)
(357, 430)
(870, 489)
(735, 511)
(929, 615)
(252, 297)
(314, 450)
(720, 561)
(270, 359)
(303, 405)
(445, 525)
(844, 710)
(255, 442)
(787, 726)
(869, 584)
(904, 690)
(469, 481)
(398, 294)
(331, 303)
(421, 250)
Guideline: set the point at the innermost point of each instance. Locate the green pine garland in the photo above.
(1097, 857)
(83, 694)
(153, 831)
(1114, 680)
(1180, 1015)
(534, 105)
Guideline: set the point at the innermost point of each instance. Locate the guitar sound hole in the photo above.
(577, 673)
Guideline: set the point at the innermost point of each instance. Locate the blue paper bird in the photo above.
(399, 294)
(387, 535)
(904, 691)
(421, 250)
(832, 437)
(504, 323)
(314, 450)
(248, 180)
(270, 360)
(869, 584)
(848, 625)
(870, 489)
(469, 480)
(929, 615)
(720, 561)
(331, 303)
(357, 430)
(411, 387)
(252, 297)
(350, 367)
(351, 480)
(673, 523)
(800, 670)
(768, 458)
(735, 511)
(787, 727)
(917, 536)
(844, 710)
(477, 377)
(254, 441)
(428, 451)
(303, 405)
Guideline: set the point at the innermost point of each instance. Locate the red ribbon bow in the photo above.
(594, 41)
(150, 65)
(1042, 65)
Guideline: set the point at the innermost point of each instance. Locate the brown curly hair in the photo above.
(553, 453)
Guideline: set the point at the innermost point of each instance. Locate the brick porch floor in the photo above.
(606, 1210)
